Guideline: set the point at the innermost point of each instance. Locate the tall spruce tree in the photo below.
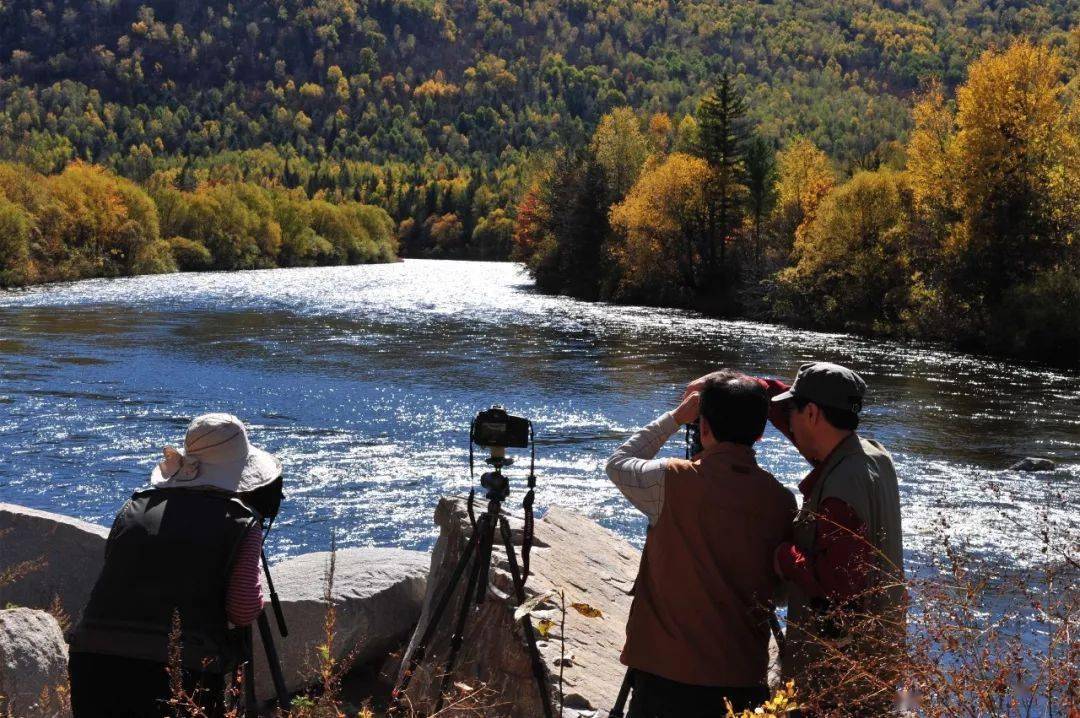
(721, 143)
(760, 185)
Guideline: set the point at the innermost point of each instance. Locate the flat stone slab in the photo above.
(55, 557)
(591, 564)
(377, 595)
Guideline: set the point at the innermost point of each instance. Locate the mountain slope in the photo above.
(431, 108)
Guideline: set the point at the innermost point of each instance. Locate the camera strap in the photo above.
(527, 505)
(472, 476)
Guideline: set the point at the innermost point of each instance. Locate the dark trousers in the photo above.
(117, 687)
(657, 697)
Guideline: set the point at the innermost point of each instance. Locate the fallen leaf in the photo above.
(530, 605)
(544, 626)
(586, 610)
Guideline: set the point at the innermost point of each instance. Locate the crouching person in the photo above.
(698, 631)
(182, 559)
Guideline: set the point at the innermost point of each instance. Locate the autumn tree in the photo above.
(804, 176)
(620, 148)
(664, 225)
(995, 187)
(1012, 143)
(851, 265)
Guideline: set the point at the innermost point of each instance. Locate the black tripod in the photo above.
(272, 659)
(478, 551)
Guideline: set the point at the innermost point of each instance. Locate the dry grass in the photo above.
(976, 643)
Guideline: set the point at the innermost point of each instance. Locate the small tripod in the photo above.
(478, 551)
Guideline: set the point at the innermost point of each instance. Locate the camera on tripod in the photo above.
(495, 429)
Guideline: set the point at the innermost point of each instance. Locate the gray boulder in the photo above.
(52, 557)
(592, 565)
(377, 596)
(33, 665)
(1033, 463)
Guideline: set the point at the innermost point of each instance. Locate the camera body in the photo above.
(693, 438)
(495, 428)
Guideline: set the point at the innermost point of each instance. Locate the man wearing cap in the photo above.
(183, 555)
(844, 566)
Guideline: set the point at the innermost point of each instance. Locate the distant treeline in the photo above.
(435, 109)
(968, 233)
(88, 222)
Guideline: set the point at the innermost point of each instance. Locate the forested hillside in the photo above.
(435, 110)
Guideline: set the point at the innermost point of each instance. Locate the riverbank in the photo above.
(963, 233)
(87, 222)
(764, 303)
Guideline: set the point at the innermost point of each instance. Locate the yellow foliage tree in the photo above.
(804, 176)
(931, 153)
(662, 222)
(851, 261)
(1015, 152)
(621, 148)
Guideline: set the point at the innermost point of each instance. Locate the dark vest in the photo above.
(700, 614)
(170, 552)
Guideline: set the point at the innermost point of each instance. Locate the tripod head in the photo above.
(497, 485)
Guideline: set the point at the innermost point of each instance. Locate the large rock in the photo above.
(33, 665)
(591, 564)
(378, 593)
(1033, 463)
(54, 557)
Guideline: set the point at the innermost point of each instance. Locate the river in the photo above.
(363, 381)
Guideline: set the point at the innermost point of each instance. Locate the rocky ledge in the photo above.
(592, 566)
(51, 562)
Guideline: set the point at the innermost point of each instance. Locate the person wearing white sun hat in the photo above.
(182, 552)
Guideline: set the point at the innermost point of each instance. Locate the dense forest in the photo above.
(855, 164)
(437, 110)
(968, 232)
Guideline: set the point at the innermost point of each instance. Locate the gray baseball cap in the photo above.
(827, 384)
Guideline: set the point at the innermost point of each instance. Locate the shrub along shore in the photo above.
(88, 222)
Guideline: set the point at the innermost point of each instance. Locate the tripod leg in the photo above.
(436, 616)
(624, 693)
(251, 707)
(485, 527)
(273, 662)
(526, 621)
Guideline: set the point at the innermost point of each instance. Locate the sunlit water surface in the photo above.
(363, 381)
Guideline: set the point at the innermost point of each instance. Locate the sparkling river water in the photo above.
(363, 381)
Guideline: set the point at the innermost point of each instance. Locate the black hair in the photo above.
(838, 418)
(735, 405)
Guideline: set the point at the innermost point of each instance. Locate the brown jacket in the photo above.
(699, 614)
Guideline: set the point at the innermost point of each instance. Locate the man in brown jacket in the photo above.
(698, 631)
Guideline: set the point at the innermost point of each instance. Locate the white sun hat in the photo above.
(216, 454)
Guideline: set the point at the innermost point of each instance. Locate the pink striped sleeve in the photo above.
(243, 599)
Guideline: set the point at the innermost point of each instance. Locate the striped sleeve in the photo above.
(635, 471)
(243, 598)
